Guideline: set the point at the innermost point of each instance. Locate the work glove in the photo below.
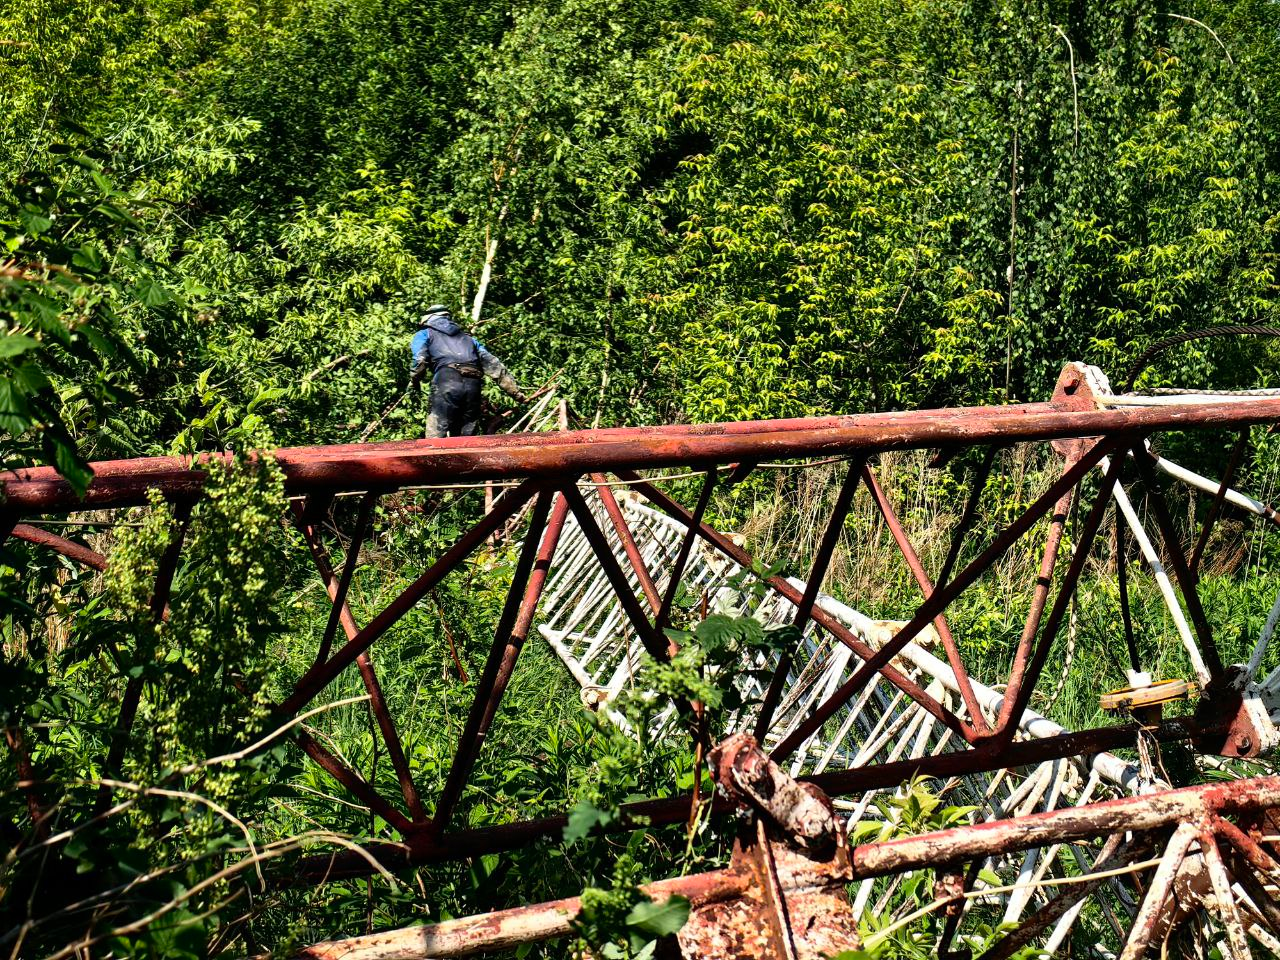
(511, 388)
(419, 373)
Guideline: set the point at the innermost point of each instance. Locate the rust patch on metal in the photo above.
(815, 921)
(1222, 698)
(800, 811)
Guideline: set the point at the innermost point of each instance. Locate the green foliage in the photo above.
(170, 822)
(913, 809)
(710, 211)
(716, 659)
(848, 236)
(713, 667)
(621, 923)
(67, 271)
(810, 205)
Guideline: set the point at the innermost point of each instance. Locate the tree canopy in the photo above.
(221, 221)
(808, 207)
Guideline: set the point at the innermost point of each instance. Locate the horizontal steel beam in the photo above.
(388, 466)
(421, 848)
(997, 837)
(69, 549)
(504, 929)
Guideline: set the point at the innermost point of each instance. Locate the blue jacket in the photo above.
(451, 345)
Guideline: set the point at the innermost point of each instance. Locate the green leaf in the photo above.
(29, 378)
(117, 214)
(151, 293)
(48, 310)
(266, 396)
(584, 818)
(15, 343)
(35, 221)
(68, 462)
(15, 414)
(659, 919)
(88, 258)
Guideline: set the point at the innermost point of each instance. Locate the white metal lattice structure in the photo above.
(587, 628)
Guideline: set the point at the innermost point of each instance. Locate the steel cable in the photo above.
(1160, 346)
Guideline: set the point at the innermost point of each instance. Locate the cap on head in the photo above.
(435, 310)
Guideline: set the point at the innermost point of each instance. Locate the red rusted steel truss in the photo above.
(783, 895)
(558, 474)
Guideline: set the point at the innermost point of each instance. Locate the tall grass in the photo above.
(1240, 575)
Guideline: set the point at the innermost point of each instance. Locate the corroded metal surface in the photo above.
(733, 918)
(406, 463)
(801, 811)
(855, 706)
(801, 912)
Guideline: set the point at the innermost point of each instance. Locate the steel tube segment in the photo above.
(670, 810)
(1120, 555)
(926, 588)
(935, 603)
(28, 781)
(1249, 873)
(319, 676)
(166, 570)
(1221, 884)
(977, 484)
(623, 530)
(1039, 597)
(390, 736)
(1215, 507)
(648, 634)
(506, 929)
(682, 556)
(821, 617)
(69, 549)
(352, 781)
(1173, 546)
(321, 559)
(1081, 743)
(1234, 497)
(1155, 902)
(377, 701)
(804, 609)
(1025, 675)
(1187, 806)
(513, 628)
(339, 599)
(1258, 858)
(1113, 854)
(955, 910)
(389, 466)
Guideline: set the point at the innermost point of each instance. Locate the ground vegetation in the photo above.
(221, 220)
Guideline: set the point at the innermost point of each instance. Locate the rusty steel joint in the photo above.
(800, 812)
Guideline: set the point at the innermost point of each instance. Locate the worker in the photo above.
(458, 363)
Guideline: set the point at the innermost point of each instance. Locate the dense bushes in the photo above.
(814, 207)
(221, 220)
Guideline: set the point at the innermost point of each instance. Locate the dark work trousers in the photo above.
(455, 405)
